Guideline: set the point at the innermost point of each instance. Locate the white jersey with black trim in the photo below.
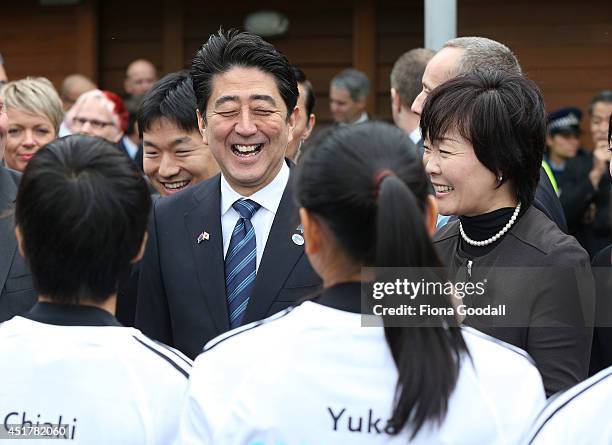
(83, 376)
(580, 415)
(314, 376)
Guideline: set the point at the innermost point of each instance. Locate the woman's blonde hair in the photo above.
(34, 95)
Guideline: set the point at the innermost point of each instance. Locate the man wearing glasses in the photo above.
(99, 113)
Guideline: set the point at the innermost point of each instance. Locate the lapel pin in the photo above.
(204, 236)
(298, 239)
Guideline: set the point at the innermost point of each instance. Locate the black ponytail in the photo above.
(427, 358)
(369, 186)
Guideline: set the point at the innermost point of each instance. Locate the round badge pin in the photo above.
(298, 239)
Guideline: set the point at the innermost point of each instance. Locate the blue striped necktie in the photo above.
(240, 262)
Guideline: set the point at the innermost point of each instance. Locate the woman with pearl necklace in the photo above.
(485, 136)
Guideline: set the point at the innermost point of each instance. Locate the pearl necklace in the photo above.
(495, 237)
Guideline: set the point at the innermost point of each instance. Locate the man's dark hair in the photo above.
(407, 74)
(172, 98)
(602, 96)
(228, 49)
(300, 77)
(502, 115)
(82, 208)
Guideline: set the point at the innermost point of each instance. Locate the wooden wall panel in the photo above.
(564, 45)
(129, 30)
(320, 39)
(400, 28)
(37, 40)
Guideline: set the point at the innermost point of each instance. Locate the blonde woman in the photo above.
(35, 113)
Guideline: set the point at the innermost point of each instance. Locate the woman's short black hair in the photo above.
(229, 49)
(82, 208)
(502, 115)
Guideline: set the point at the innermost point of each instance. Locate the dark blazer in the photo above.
(181, 293)
(593, 232)
(420, 145)
(547, 201)
(601, 355)
(17, 294)
(544, 278)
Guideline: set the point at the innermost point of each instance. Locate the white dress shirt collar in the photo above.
(268, 197)
(415, 135)
(363, 118)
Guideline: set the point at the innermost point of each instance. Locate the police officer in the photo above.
(69, 369)
(314, 374)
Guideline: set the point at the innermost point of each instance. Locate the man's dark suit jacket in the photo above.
(17, 294)
(547, 201)
(181, 293)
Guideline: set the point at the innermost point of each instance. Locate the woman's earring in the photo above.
(500, 178)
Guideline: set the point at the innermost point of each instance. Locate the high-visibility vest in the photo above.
(550, 175)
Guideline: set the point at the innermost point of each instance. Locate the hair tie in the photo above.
(378, 179)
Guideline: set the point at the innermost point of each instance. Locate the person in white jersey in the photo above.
(69, 369)
(314, 375)
(580, 415)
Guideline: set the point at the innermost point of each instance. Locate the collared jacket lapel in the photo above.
(205, 216)
(279, 259)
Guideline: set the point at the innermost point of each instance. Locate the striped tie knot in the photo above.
(246, 208)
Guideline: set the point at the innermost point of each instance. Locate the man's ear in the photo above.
(141, 251)
(396, 101)
(292, 119)
(312, 120)
(202, 126)
(19, 237)
(431, 215)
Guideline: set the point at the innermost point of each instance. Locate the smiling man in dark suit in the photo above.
(17, 294)
(228, 251)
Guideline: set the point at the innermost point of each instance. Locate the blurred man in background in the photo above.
(585, 183)
(140, 76)
(348, 96)
(72, 87)
(406, 78)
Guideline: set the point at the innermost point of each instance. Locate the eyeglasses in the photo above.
(94, 123)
